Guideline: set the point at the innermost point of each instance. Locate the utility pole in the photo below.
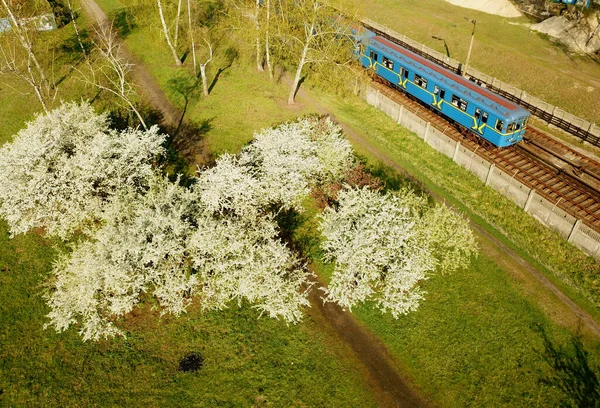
(464, 71)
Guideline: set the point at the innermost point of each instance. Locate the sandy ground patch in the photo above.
(502, 8)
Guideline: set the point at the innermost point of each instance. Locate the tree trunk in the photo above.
(294, 88)
(166, 32)
(192, 39)
(259, 63)
(204, 79)
(267, 51)
(177, 24)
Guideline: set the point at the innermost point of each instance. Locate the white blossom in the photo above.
(59, 172)
(240, 260)
(288, 158)
(141, 247)
(385, 245)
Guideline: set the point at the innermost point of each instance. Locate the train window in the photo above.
(405, 73)
(499, 125)
(510, 127)
(480, 115)
(442, 93)
(436, 90)
(388, 63)
(422, 82)
(373, 55)
(459, 103)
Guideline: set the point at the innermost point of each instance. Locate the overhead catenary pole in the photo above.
(464, 71)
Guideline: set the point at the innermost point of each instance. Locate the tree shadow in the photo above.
(391, 178)
(299, 85)
(72, 47)
(231, 55)
(123, 21)
(188, 146)
(297, 231)
(571, 371)
(185, 87)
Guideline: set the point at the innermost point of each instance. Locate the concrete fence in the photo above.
(548, 213)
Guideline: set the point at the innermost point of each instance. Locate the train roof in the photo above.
(506, 104)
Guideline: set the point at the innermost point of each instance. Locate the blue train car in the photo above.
(486, 114)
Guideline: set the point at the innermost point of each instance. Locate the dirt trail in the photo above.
(389, 387)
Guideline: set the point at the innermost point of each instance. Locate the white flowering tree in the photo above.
(217, 241)
(141, 247)
(385, 245)
(60, 170)
(290, 158)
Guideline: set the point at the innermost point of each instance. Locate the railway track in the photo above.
(556, 172)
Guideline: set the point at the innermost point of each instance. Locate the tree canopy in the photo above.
(131, 231)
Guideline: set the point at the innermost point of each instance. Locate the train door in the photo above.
(373, 56)
(438, 96)
(403, 77)
(481, 118)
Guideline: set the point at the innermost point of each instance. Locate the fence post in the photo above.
(455, 150)
(574, 230)
(529, 199)
(489, 175)
(400, 114)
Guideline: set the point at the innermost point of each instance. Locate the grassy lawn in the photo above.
(472, 342)
(504, 48)
(247, 361)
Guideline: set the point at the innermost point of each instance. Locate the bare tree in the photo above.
(203, 65)
(166, 33)
(111, 69)
(192, 40)
(312, 32)
(26, 67)
(259, 59)
(177, 23)
(267, 42)
(24, 39)
(9, 65)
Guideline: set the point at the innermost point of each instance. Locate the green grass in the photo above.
(471, 342)
(504, 48)
(247, 360)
